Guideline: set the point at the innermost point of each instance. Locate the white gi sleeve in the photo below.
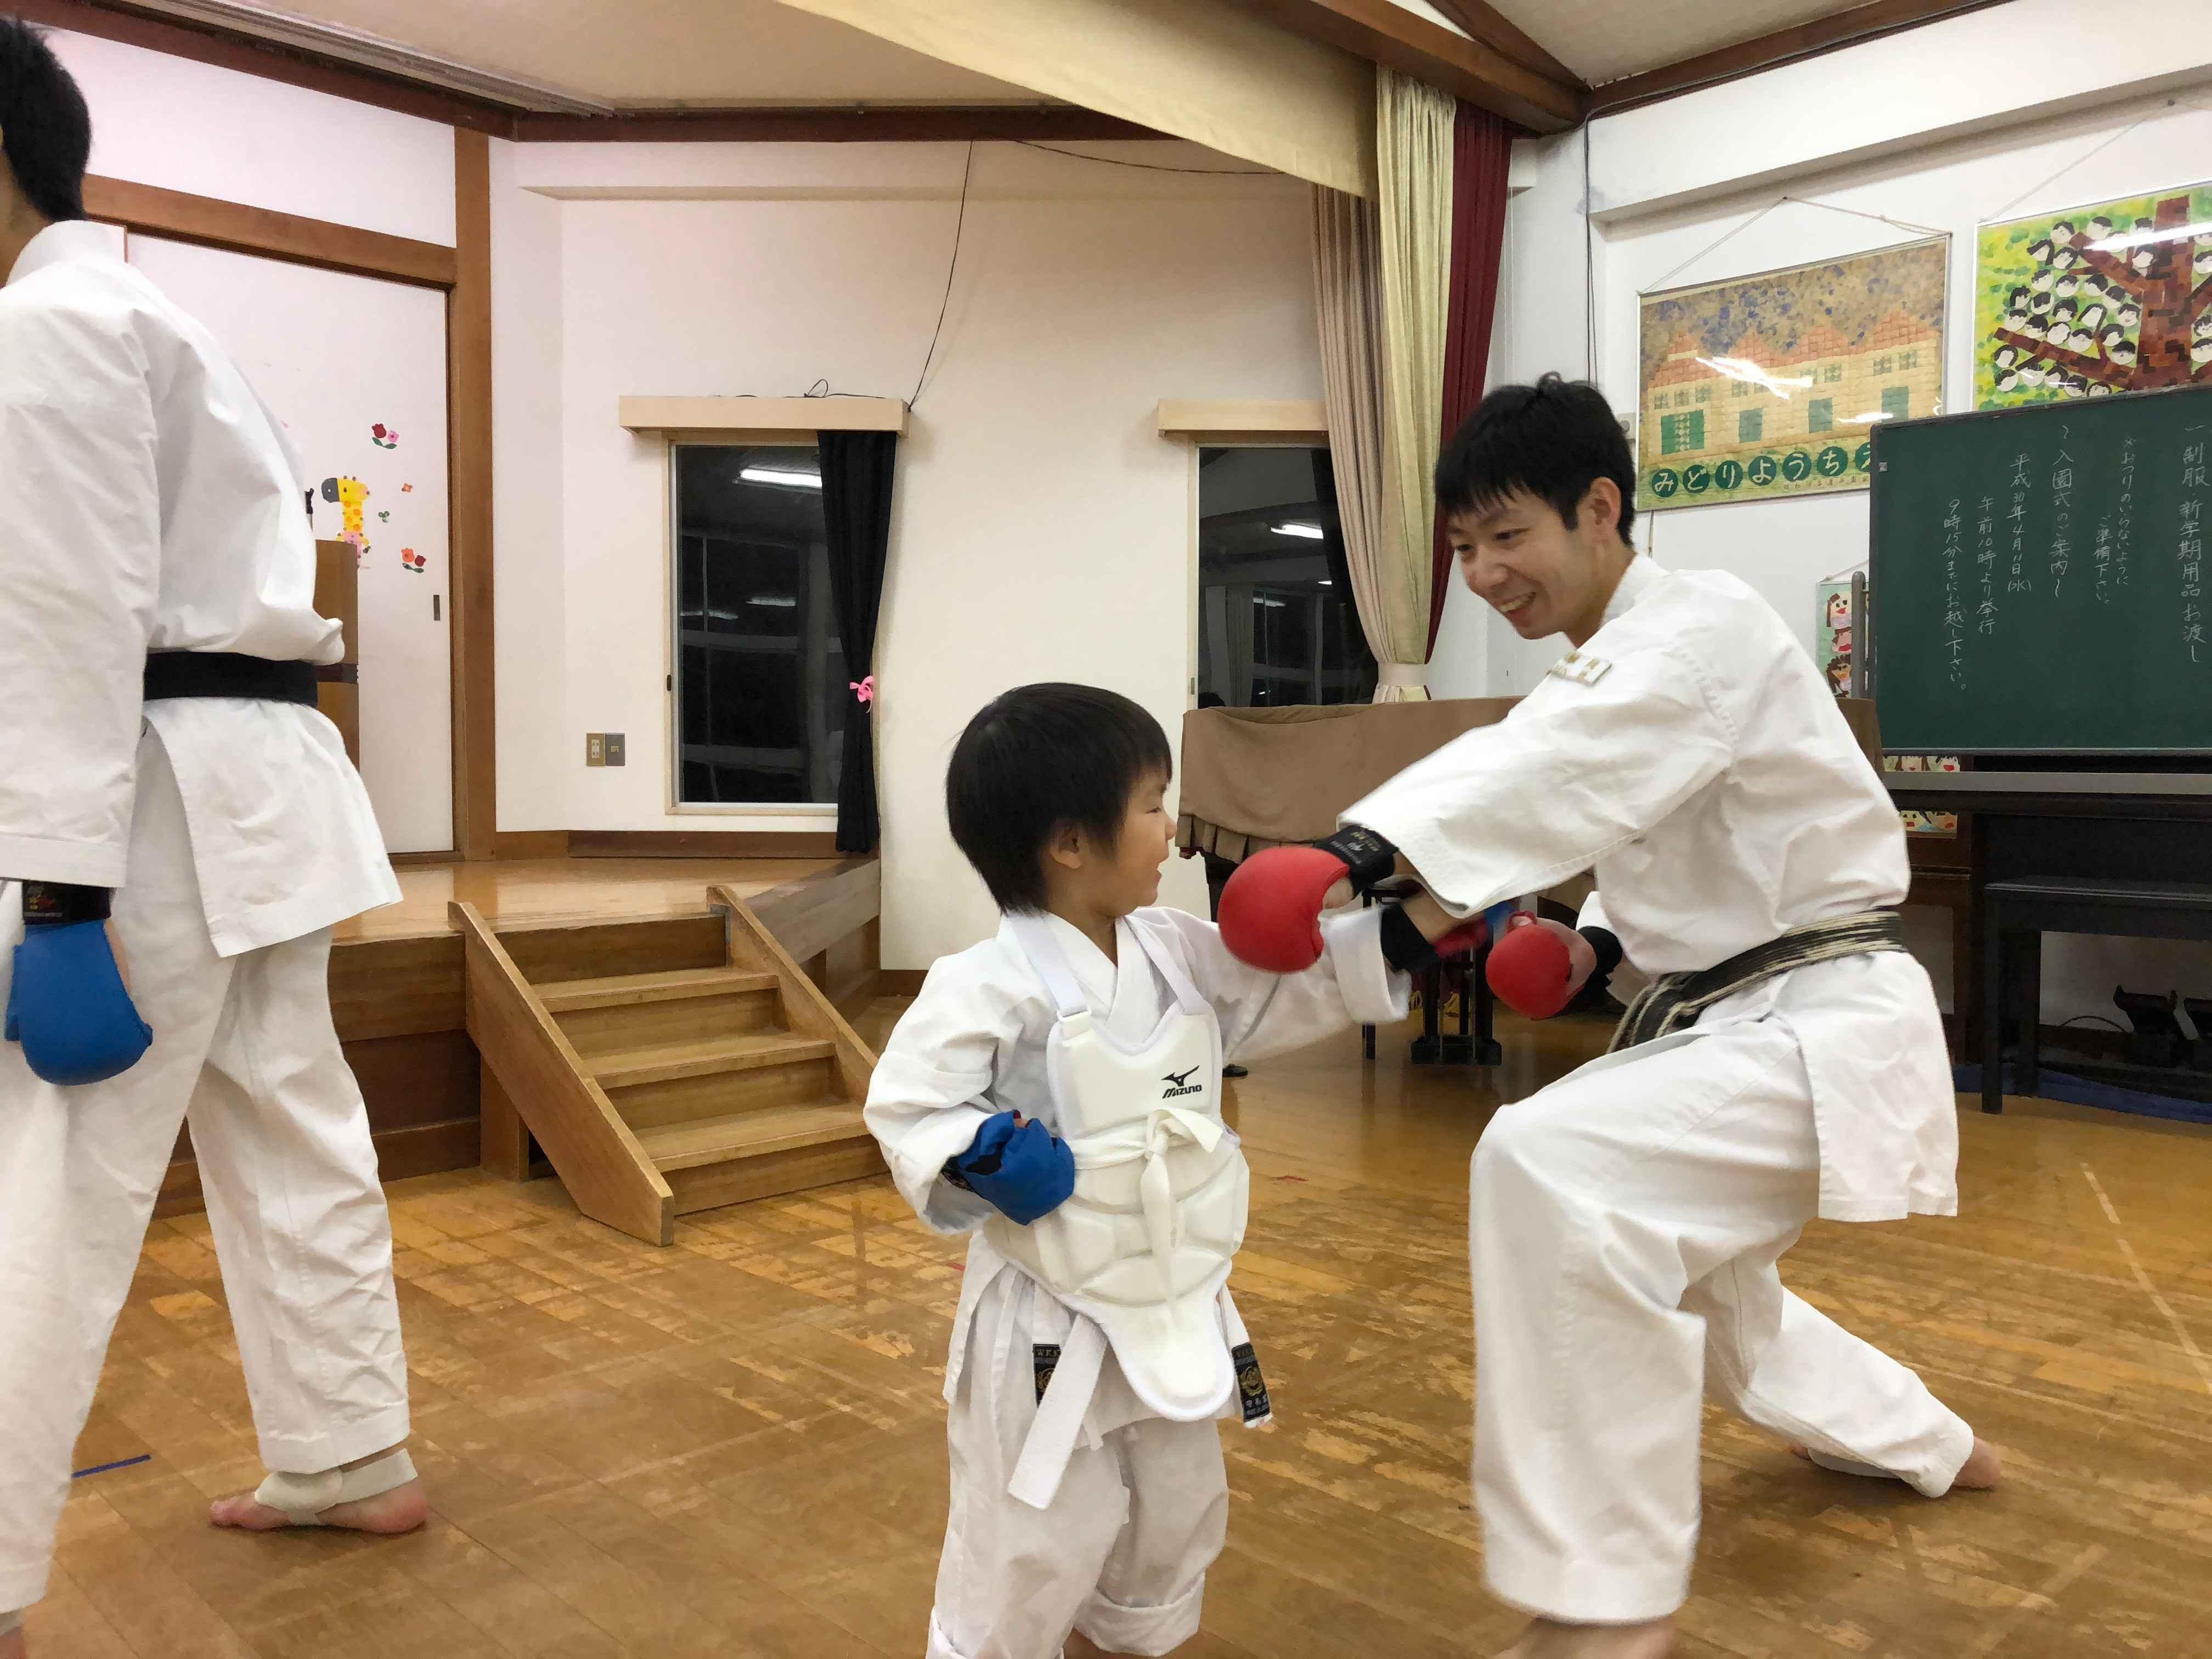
(79, 557)
(927, 1097)
(1263, 1013)
(1571, 773)
(1593, 915)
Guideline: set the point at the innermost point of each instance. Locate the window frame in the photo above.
(822, 814)
(1199, 441)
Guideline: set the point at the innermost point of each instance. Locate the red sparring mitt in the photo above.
(1531, 970)
(1271, 906)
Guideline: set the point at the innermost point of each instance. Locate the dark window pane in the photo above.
(760, 669)
(1276, 619)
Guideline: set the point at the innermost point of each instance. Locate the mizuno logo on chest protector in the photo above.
(1179, 1084)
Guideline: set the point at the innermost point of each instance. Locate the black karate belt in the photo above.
(228, 674)
(1675, 1001)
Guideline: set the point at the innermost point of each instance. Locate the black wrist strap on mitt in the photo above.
(1597, 992)
(56, 903)
(1608, 950)
(1403, 947)
(1367, 856)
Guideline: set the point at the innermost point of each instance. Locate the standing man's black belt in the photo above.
(228, 674)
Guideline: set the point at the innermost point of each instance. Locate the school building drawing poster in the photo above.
(2086, 301)
(1766, 386)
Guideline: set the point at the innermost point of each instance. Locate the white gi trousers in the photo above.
(1624, 1224)
(284, 1155)
(1122, 1553)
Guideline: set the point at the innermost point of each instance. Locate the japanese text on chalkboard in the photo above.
(2193, 550)
(1954, 617)
(2062, 513)
(1985, 560)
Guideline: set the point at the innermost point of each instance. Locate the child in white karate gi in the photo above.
(1055, 1092)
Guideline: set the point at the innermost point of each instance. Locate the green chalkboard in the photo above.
(2038, 581)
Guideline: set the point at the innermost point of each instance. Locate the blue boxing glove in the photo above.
(1019, 1169)
(67, 1005)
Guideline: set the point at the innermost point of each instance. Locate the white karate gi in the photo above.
(148, 503)
(1123, 1551)
(1626, 1221)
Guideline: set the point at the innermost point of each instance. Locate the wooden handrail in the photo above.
(806, 1009)
(599, 1159)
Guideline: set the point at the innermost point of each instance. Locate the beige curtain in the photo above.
(1212, 73)
(1348, 295)
(1413, 126)
(1382, 282)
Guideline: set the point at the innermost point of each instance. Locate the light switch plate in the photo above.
(616, 749)
(595, 749)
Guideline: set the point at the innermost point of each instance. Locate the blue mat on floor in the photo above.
(2079, 1092)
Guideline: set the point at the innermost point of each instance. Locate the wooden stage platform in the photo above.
(396, 974)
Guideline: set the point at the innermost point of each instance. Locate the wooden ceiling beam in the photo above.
(253, 54)
(1485, 22)
(844, 123)
(1824, 34)
(1470, 69)
(852, 123)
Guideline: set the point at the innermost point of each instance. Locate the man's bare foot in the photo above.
(1983, 1469)
(403, 1508)
(1547, 1639)
(13, 1646)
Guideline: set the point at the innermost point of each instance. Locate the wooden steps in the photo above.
(702, 1072)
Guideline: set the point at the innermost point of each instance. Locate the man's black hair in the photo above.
(1552, 440)
(46, 130)
(1040, 757)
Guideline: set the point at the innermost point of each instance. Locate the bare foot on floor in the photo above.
(1983, 1469)
(401, 1509)
(1549, 1639)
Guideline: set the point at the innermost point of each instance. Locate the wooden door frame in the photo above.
(463, 273)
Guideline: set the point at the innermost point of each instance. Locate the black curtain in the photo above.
(1332, 524)
(856, 511)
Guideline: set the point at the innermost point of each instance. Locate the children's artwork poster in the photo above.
(1766, 386)
(2087, 301)
(1833, 633)
(1925, 823)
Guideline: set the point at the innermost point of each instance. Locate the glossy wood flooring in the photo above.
(733, 1447)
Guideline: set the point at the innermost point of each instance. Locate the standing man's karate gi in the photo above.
(148, 506)
(1787, 1063)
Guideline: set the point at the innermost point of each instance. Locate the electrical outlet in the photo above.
(615, 749)
(595, 749)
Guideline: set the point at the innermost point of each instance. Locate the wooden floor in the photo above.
(734, 1447)
(538, 889)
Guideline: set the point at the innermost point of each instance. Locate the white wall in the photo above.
(168, 121)
(1042, 528)
(1910, 129)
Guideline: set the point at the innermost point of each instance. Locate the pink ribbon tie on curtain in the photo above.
(864, 690)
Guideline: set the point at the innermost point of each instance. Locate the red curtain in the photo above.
(1482, 147)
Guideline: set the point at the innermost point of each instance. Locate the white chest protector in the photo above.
(1144, 1246)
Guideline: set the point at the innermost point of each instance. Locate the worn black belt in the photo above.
(228, 674)
(1675, 1001)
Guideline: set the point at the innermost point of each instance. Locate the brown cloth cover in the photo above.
(1255, 778)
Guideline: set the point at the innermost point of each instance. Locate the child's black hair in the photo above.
(1035, 759)
(1552, 440)
(46, 130)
